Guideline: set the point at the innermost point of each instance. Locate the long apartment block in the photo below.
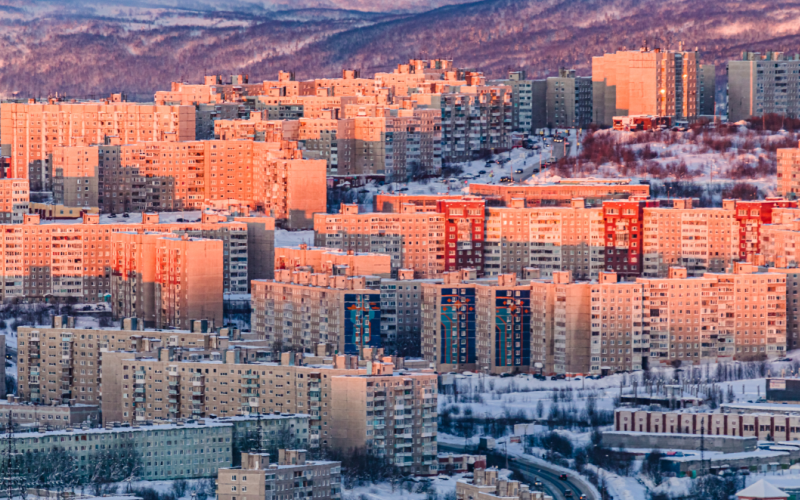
(369, 403)
(31, 132)
(301, 310)
(63, 364)
(76, 259)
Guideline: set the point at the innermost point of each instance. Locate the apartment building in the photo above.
(463, 233)
(14, 200)
(270, 177)
(486, 484)
(449, 322)
(645, 82)
(292, 476)
(166, 280)
(302, 310)
(560, 325)
(757, 329)
(211, 91)
(528, 101)
(63, 364)
(567, 239)
(698, 239)
(182, 450)
(299, 383)
(592, 191)
(332, 261)
(620, 340)
(760, 84)
(707, 90)
(401, 308)
(569, 100)
(475, 119)
(682, 316)
(24, 414)
(792, 319)
(414, 239)
(75, 176)
(624, 230)
(391, 415)
(33, 130)
(788, 171)
(503, 325)
(41, 257)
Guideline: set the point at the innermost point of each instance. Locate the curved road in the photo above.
(553, 486)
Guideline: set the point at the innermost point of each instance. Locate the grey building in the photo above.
(569, 100)
(401, 303)
(759, 84)
(707, 88)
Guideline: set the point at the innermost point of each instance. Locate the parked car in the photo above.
(481, 172)
(518, 171)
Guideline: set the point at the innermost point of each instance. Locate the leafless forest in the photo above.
(47, 48)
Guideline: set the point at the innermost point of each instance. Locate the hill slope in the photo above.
(137, 49)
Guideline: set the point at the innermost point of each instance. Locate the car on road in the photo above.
(505, 179)
(518, 171)
(563, 477)
(583, 497)
(481, 172)
(568, 493)
(537, 483)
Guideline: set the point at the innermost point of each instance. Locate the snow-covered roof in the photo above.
(761, 489)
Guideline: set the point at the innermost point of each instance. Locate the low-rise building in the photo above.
(292, 476)
(486, 484)
(47, 416)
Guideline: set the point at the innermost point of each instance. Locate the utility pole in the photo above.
(11, 466)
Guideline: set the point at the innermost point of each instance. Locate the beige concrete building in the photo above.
(561, 325)
(292, 476)
(332, 261)
(43, 416)
(620, 341)
(699, 239)
(391, 415)
(413, 238)
(63, 364)
(682, 316)
(486, 484)
(138, 386)
(75, 176)
(300, 310)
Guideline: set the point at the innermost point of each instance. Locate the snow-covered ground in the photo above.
(284, 238)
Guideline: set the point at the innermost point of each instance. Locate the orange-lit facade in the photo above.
(267, 176)
(14, 200)
(414, 239)
(332, 261)
(32, 131)
(558, 194)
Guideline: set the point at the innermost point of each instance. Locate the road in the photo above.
(553, 486)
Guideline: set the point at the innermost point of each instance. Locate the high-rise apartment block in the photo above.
(645, 82)
(760, 84)
(32, 131)
(72, 260)
(569, 100)
(302, 310)
(14, 200)
(348, 401)
(63, 364)
(332, 261)
(414, 239)
(268, 176)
